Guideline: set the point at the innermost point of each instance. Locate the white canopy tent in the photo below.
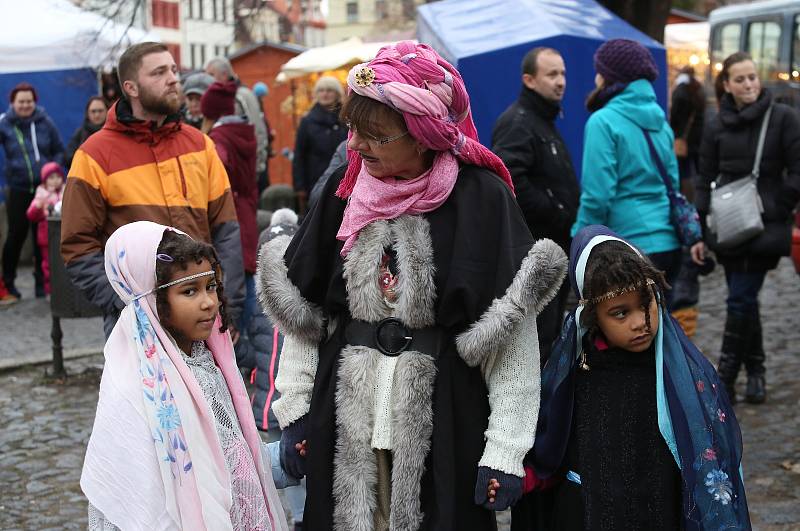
(331, 57)
(42, 35)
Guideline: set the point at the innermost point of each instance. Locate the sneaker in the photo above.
(8, 300)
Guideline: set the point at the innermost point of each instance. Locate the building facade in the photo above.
(370, 19)
(282, 21)
(194, 30)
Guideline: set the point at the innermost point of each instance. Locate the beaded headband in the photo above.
(178, 281)
(617, 292)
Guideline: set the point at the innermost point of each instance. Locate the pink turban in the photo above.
(415, 81)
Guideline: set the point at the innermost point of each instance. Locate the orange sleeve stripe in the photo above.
(178, 182)
(86, 169)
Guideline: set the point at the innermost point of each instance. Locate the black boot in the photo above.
(754, 363)
(38, 281)
(733, 342)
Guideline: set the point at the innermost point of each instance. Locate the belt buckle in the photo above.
(388, 329)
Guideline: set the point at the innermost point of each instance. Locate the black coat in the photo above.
(319, 134)
(526, 139)
(260, 351)
(78, 138)
(479, 217)
(728, 151)
(686, 106)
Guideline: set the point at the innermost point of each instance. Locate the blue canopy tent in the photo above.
(487, 39)
(58, 51)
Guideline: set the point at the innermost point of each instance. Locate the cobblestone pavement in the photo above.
(26, 329)
(44, 425)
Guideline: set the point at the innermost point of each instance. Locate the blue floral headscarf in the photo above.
(695, 416)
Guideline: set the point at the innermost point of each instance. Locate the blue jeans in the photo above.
(743, 290)
(250, 303)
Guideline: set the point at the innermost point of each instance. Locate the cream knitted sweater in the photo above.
(512, 379)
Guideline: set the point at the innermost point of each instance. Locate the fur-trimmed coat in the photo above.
(470, 267)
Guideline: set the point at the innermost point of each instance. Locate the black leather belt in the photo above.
(391, 337)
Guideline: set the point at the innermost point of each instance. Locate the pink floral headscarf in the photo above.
(429, 92)
(415, 81)
(154, 460)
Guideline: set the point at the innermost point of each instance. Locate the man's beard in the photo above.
(159, 105)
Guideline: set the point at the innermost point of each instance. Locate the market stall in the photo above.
(487, 39)
(291, 92)
(333, 60)
(687, 45)
(59, 48)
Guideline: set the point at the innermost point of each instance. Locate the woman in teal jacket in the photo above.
(621, 186)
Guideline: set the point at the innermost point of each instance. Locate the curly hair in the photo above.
(615, 265)
(183, 250)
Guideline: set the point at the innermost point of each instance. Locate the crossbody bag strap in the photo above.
(762, 136)
(661, 169)
(21, 141)
(689, 124)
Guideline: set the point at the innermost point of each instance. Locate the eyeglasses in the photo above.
(380, 141)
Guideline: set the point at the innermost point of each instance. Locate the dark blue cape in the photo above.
(695, 415)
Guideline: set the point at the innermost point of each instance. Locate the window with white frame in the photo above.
(352, 12)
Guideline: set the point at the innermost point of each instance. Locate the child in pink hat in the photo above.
(48, 194)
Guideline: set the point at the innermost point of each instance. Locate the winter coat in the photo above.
(685, 107)
(247, 105)
(260, 351)
(42, 145)
(728, 151)
(319, 134)
(526, 138)
(464, 267)
(131, 170)
(235, 141)
(79, 137)
(622, 187)
(36, 211)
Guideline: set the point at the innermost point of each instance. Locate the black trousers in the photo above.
(17, 203)
(670, 263)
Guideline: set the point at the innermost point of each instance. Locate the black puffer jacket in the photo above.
(260, 351)
(318, 135)
(526, 139)
(78, 138)
(728, 151)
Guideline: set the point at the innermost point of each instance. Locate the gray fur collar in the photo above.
(355, 468)
(411, 239)
(535, 284)
(281, 299)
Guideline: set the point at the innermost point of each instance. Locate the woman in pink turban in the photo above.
(409, 376)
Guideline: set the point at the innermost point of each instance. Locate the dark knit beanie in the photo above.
(218, 100)
(624, 61)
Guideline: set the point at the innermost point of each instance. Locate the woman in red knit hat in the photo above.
(48, 195)
(235, 141)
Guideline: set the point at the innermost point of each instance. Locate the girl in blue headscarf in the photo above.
(632, 415)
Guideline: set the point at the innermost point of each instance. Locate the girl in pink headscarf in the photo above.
(409, 375)
(174, 443)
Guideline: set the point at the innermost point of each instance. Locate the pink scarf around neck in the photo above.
(387, 198)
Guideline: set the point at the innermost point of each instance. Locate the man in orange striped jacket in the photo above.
(146, 165)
